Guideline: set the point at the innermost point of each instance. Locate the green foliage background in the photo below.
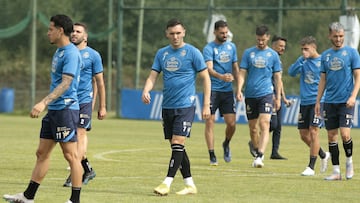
(242, 16)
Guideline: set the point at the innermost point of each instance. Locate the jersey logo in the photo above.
(224, 57)
(172, 64)
(259, 62)
(336, 64)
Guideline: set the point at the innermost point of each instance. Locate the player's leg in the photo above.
(346, 117)
(230, 122)
(209, 137)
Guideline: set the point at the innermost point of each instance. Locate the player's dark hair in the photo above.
(277, 38)
(63, 21)
(82, 25)
(219, 24)
(173, 22)
(262, 30)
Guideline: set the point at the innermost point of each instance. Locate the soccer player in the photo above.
(279, 45)
(221, 59)
(180, 62)
(60, 123)
(340, 76)
(308, 67)
(91, 75)
(261, 65)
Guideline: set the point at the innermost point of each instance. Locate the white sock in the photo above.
(349, 159)
(336, 169)
(168, 181)
(189, 181)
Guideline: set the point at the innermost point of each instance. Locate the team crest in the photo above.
(86, 55)
(183, 53)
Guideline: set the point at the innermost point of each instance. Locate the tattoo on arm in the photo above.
(59, 90)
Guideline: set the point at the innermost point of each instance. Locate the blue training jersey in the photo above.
(260, 66)
(338, 66)
(92, 65)
(66, 60)
(309, 71)
(223, 57)
(179, 67)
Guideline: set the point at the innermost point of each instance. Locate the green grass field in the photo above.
(130, 158)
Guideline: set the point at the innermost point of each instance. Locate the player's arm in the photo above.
(352, 99)
(149, 85)
(227, 77)
(95, 92)
(204, 74)
(241, 81)
(321, 89)
(100, 89)
(236, 74)
(279, 87)
(56, 93)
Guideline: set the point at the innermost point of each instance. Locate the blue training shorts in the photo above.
(178, 121)
(60, 125)
(85, 116)
(224, 101)
(255, 106)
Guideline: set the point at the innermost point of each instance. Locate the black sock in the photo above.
(75, 194)
(31, 190)
(177, 155)
(211, 153)
(348, 147)
(226, 142)
(312, 162)
(322, 154)
(86, 165)
(259, 155)
(334, 151)
(185, 166)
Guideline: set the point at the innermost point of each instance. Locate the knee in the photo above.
(71, 156)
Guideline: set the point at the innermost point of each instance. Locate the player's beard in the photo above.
(221, 39)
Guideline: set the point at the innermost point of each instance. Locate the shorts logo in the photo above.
(62, 132)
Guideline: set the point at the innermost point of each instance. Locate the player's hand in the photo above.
(146, 97)
(317, 109)
(102, 113)
(228, 77)
(350, 103)
(37, 109)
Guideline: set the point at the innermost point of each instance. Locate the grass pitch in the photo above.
(131, 157)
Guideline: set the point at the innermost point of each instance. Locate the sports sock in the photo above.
(31, 190)
(348, 147)
(75, 194)
(86, 165)
(189, 181)
(334, 150)
(322, 154)
(312, 162)
(259, 155)
(168, 181)
(185, 166)
(227, 141)
(176, 159)
(211, 153)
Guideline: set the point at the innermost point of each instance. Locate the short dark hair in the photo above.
(63, 21)
(262, 30)
(277, 38)
(173, 22)
(82, 25)
(219, 24)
